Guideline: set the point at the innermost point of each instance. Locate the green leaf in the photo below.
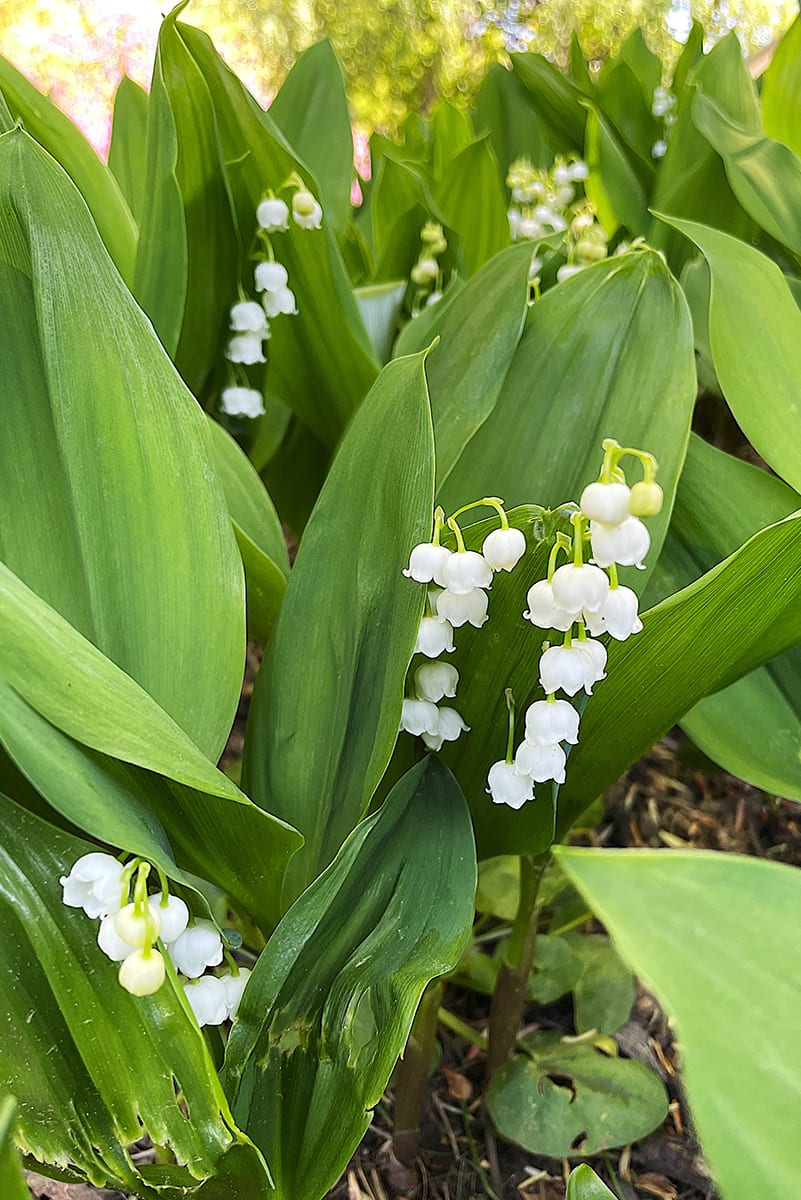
(331, 1000)
(716, 938)
(584, 1184)
(504, 110)
(57, 134)
(451, 133)
(381, 306)
(472, 201)
(327, 702)
(644, 64)
(110, 510)
(177, 809)
(781, 90)
(321, 362)
(721, 502)
(12, 1184)
(612, 185)
(127, 154)
(756, 350)
(765, 175)
(258, 533)
(311, 110)
(563, 1099)
(557, 101)
(94, 1068)
(625, 99)
(604, 992)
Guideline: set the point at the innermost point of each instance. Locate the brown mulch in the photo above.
(673, 797)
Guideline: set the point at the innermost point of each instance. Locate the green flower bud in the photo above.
(645, 499)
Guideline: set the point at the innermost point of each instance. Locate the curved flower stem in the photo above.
(509, 996)
(411, 1076)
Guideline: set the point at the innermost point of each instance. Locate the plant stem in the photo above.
(411, 1077)
(509, 997)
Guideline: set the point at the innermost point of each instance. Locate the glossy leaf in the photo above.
(327, 702)
(331, 1000)
(721, 502)
(660, 907)
(613, 186)
(381, 306)
(311, 110)
(57, 134)
(127, 154)
(643, 63)
(584, 1184)
(565, 1099)
(781, 90)
(110, 510)
(625, 99)
(451, 133)
(12, 1184)
(504, 110)
(756, 350)
(94, 1068)
(557, 101)
(472, 201)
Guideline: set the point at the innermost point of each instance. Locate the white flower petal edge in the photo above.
(503, 548)
(507, 787)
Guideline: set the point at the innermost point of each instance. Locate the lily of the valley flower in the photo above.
(281, 301)
(459, 609)
(172, 916)
(248, 317)
(137, 928)
(618, 617)
(540, 762)
(508, 787)
(433, 681)
(646, 499)
(246, 348)
(198, 947)
(234, 986)
(578, 587)
(143, 972)
(434, 637)
(242, 402)
(605, 502)
(566, 669)
(207, 999)
(548, 722)
(544, 612)
(426, 563)
(110, 942)
(625, 544)
(272, 215)
(270, 277)
(503, 548)
(466, 570)
(419, 717)
(449, 728)
(306, 212)
(94, 884)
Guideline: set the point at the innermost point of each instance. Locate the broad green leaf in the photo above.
(625, 100)
(554, 971)
(400, 205)
(577, 67)
(472, 201)
(451, 132)
(258, 533)
(381, 306)
(110, 510)
(127, 154)
(716, 938)
(640, 58)
(331, 1000)
(756, 349)
(603, 995)
(688, 59)
(321, 362)
(558, 102)
(163, 799)
(92, 1067)
(311, 110)
(188, 255)
(504, 110)
(57, 134)
(562, 1099)
(12, 1184)
(584, 1184)
(327, 702)
(765, 175)
(612, 185)
(721, 502)
(781, 90)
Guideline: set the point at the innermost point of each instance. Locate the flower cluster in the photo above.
(585, 241)
(129, 929)
(541, 199)
(579, 599)
(664, 106)
(426, 274)
(249, 321)
(456, 594)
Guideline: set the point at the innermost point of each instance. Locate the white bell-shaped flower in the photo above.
(554, 220)
(272, 215)
(424, 271)
(618, 617)
(567, 270)
(544, 612)
(94, 884)
(579, 171)
(550, 721)
(198, 947)
(242, 402)
(562, 174)
(143, 972)
(306, 212)
(173, 916)
(503, 548)
(659, 148)
(248, 317)
(282, 301)
(507, 787)
(434, 637)
(246, 348)
(207, 1000)
(110, 941)
(451, 726)
(234, 986)
(606, 502)
(426, 563)
(270, 276)
(595, 653)
(566, 669)
(137, 929)
(419, 716)
(580, 587)
(459, 610)
(530, 227)
(626, 544)
(435, 680)
(464, 571)
(514, 216)
(541, 762)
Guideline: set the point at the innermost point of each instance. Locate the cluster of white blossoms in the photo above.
(249, 321)
(585, 241)
(583, 601)
(426, 274)
(456, 583)
(664, 106)
(129, 929)
(541, 199)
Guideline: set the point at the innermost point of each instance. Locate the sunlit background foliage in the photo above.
(398, 55)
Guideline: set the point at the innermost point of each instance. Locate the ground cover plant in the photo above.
(468, 406)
